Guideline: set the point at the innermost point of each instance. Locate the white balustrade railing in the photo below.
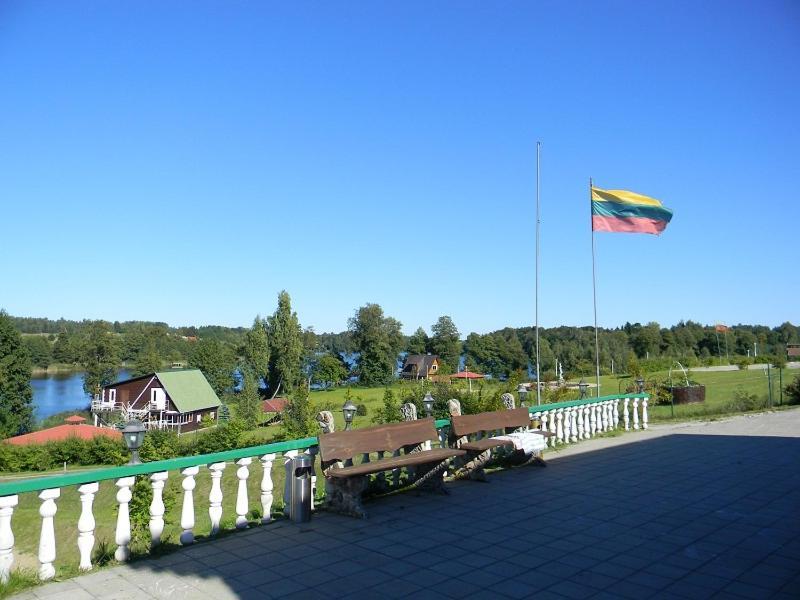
(568, 424)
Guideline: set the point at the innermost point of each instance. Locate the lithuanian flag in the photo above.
(627, 212)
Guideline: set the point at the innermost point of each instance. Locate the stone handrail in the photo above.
(568, 421)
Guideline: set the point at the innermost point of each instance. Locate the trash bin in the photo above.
(300, 490)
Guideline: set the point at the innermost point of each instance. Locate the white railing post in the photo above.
(592, 420)
(242, 503)
(615, 413)
(543, 423)
(645, 418)
(47, 537)
(215, 496)
(157, 482)
(266, 488)
(7, 504)
(625, 414)
(581, 432)
(606, 416)
(123, 533)
(587, 422)
(560, 425)
(553, 429)
(187, 510)
(567, 425)
(636, 413)
(574, 424)
(86, 524)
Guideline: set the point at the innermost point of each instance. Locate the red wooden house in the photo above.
(179, 400)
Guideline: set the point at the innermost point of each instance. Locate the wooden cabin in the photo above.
(178, 400)
(420, 366)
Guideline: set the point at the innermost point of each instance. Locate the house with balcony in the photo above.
(181, 400)
(420, 366)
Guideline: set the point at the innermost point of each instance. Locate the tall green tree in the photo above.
(99, 357)
(16, 394)
(249, 401)
(329, 369)
(378, 340)
(418, 342)
(64, 350)
(147, 360)
(217, 361)
(285, 346)
(256, 349)
(446, 342)
(39, 350)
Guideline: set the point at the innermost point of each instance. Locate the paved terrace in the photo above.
(695, 510)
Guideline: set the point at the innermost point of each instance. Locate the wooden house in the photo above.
(178, 400)
(420, 366)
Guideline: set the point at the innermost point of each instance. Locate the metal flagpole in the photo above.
(538, 221)
(594, 298)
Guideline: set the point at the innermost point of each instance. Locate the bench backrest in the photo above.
(341, 445)
(490, 421)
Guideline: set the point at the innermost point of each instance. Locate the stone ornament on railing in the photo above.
(215, 496)
(86, 524)
(7, 504)
(47, 537)
(408, 411)
(454, 407)
(508, 401)
(157, 508)
(187, 510)
(325, 421)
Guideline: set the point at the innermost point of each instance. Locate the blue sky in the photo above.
(185, 161)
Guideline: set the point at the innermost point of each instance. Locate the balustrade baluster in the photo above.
(553, 429)
(645, 418)
(215, 496)
(615, 413)
(573, 412)
(581, 432)
(187, 510)
(592, 420)
(606, 420)
(86, 524)
(266, 488)
(242, 503)
(625, 415)
(123, 534)
(567, 425)
(560, 425)
(636, 413)
(157, 482)
(47, 537)
(7, 504)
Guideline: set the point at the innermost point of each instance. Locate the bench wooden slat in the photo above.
(489, 421)
(395, 462)
(341, 445)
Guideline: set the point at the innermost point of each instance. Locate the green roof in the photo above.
(188, 390)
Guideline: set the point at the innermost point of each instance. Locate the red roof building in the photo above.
(75, 427)
(275, 405)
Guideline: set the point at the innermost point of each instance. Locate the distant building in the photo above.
(74, 426)
(273, 409)
(420, 366)
(177, 400)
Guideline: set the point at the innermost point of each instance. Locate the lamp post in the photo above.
(522, 391)
(640, 385)
(349, 411)
(583, 386)
(427, 403)
(133, 434)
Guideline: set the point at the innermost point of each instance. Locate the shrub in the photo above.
(793, 391)
(390, 411)
(361, 410)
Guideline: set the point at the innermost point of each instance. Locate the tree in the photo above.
(64, 350)
(378, 340)
(147, 360)
(418, 342)
(39, 350)
(446, 342)
(285, 345)
(217, 361)
(329, 369)
(99, 357)
(249, 405)
(256, 349)
(16, 394)
(298, 417)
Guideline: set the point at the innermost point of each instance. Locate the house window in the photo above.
(158, 399)
(212, 415)
(112, 395)
(198, 417)
(434, 367)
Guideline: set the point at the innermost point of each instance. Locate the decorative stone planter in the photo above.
(692, 394)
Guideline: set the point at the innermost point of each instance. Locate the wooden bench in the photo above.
(479, 451)
(347, 483)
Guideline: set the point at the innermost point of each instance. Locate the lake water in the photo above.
(59, 392)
